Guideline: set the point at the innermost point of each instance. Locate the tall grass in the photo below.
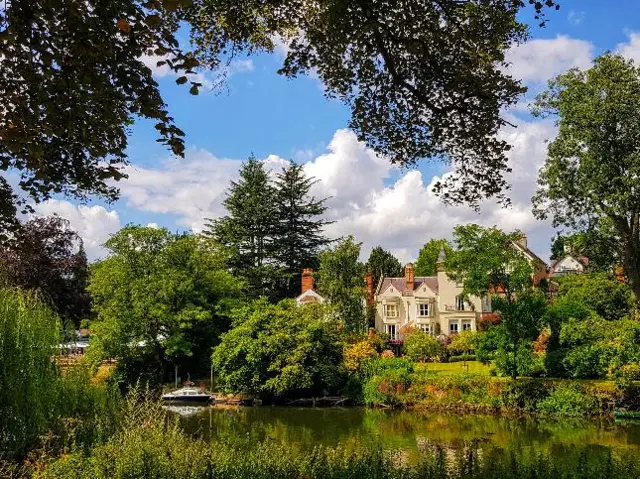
(152, 445)
(29, 335)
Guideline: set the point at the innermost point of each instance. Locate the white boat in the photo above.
(185, 411)
(187, 394)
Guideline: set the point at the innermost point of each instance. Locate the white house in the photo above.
(434, 304)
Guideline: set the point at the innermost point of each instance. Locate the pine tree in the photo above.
(248, 230)
(382, 263)
(300, 225)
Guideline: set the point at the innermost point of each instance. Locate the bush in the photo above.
(524, 395)
(462, 357)
(355, 355)
(420, 346)
(387, 388)
(377, 366)
(567, 400)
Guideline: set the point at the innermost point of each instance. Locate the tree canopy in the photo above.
(277, 350)
(160, 296)
(591, 171)
(45, 255)
(341, 279)
(486, 261)
(423, 78)
(428, 256)
(382, 263)
(299, 232)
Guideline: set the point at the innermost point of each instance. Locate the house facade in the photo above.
(541, 270)
(433, 304)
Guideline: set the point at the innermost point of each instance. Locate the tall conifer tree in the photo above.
(248, 230)
(300, 234)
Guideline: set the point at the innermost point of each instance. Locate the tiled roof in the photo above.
(399, 283)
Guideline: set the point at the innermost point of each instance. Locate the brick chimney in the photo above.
(307, 280)
(409, 276)
(370, 291)
(522, 241)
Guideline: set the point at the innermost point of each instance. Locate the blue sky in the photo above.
(278, 119)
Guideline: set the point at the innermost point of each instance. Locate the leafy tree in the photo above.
(248, 231)
(606, 296)
(72, 81)
(420, 346)
(47, 256)
(160, 298)
(300, 229)
(382, 263)
(341, 281)
(597, 243)
(591, 170)
(464, 342)
(428, 256)
(486, 261)
(74, 78)
(521, 324)
(277, 350)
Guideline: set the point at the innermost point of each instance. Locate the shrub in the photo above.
(355, 355)
(387, 388)
(630, 372)
(567, 400)
(462, 357)
(387, 354)
(377, 366)
(524, 395)
(420, 346)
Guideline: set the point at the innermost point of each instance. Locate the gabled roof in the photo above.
(430, 282)
(529, 253)
(583, 260)
(309, 296)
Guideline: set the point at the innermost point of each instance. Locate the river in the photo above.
(565, 441)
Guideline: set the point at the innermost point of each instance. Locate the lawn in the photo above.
(474, 367)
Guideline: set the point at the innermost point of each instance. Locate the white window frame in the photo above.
(453, 328)
(460, 303)
(425, 328)
(466, 325)
(391, 308)
(392, 331)
(419, 308)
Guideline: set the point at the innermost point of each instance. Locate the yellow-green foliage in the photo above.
(355, 355)
(29, 336)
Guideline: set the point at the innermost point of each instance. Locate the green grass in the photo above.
(474, 367)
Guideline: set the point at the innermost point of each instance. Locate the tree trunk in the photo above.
(632, 267)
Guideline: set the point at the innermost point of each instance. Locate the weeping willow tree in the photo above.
(29, 335)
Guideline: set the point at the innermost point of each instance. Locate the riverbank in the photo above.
(476, 393)
(352, 443)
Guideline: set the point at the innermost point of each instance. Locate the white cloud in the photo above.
(537, 61)
(631, 48)
(400, 215)
(576, 17)
(94, 224)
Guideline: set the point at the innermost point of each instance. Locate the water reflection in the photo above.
(410, 432)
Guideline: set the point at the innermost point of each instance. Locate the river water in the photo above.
(564, 440)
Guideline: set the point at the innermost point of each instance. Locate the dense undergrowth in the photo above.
(397, 383)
